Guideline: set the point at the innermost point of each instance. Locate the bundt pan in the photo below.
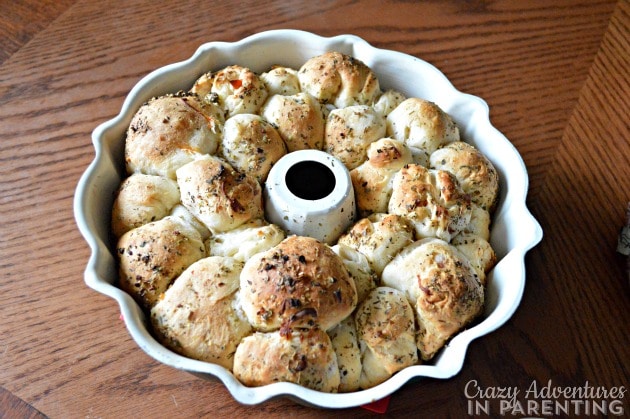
(514, 230)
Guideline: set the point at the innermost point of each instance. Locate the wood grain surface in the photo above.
(554, 73)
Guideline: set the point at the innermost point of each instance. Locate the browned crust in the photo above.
(211, 187)
(333, 76)
(299, 283)
(153, 255)
(166, 126)
(304, 357)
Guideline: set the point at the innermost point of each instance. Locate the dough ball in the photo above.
(304, 357)
(479, 224)
(251, 145)
(379, 237)
(299, 283)
(421, 124)
(365, 279)
(344, 341)
(181, 212)
(372, 180)
(235, 89)
(153, 255)
(443, 289)
(339, 79)
(386, 334)
(141, 199)
(388, 101)
(474, 172)
(350, 131)
(246, 240)
(170, 131)
(281, 80)
(479, 253)
(298, 118)
(218, 195)
(432, 200)
(198, 316)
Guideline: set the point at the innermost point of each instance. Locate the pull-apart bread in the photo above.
(251, 145)
(339, 79)
(299, 119)
(301, 356)
(373, 179)
(170, 131)
(234, 89)
(153, 255)
(198, 316)
(218, 195)
(442, 287)
(300, 283)
(141, 199)
(432, 200)
(222, 284)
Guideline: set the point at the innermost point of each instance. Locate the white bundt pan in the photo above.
(514, 229)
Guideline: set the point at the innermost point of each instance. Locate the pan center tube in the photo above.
(309, 193)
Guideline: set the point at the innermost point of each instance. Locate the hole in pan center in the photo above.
(310, 180)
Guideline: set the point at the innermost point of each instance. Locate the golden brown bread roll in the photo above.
(198, 316)
(141, 199)
(300, 282)
(421, 124)
(386, 335)
(339, 79)
(235, 89)
(372, 180)
(170, 131)
(350, 131)
(251, 145)
(442, 287)
(304, 357)
(432, 200)
(379, 237)
(474, 172)
(217, 195)
(298, 118)
(153, 255)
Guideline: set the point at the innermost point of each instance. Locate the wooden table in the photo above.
(555, 74)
